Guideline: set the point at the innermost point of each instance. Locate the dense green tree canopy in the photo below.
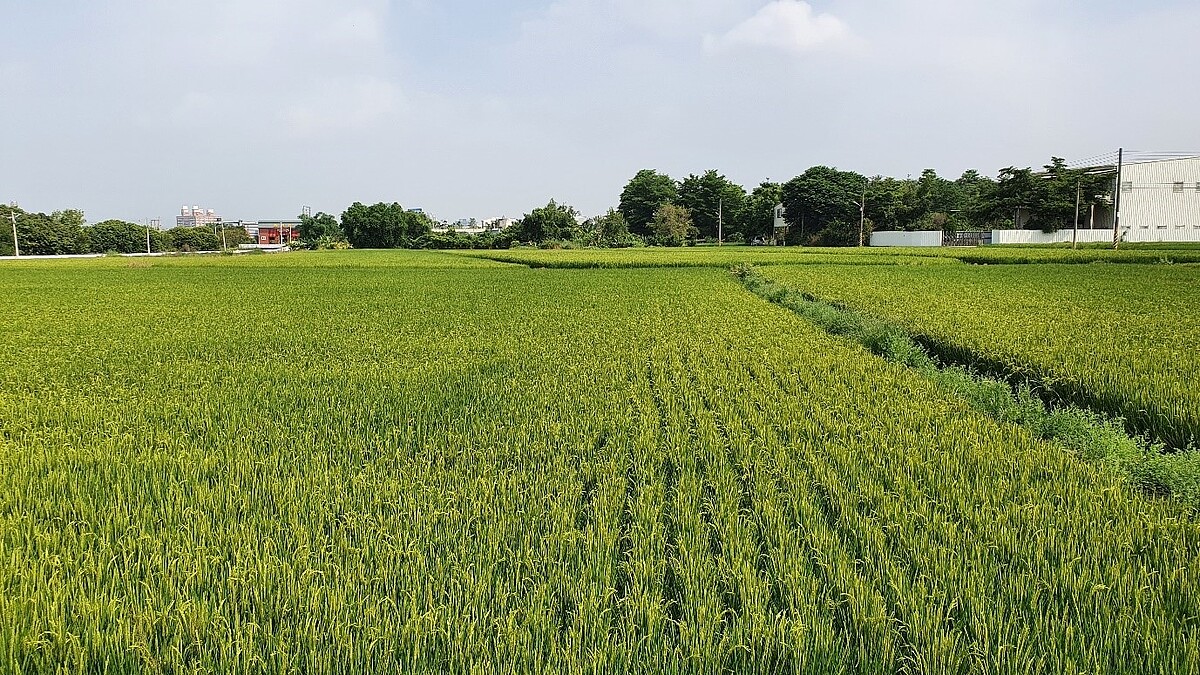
(711, 196)
(821, 196)
(608, 231)
(758, 217)
(672, 226)
(383, 225)
(60, 233)
(199, 238)
(123, 237)
(642, 196)
(551, 222)
(321, 226)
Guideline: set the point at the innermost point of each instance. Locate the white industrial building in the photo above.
(1161, 196)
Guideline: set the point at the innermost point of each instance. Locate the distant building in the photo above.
(474, 226)
(195, 216)
(1160, 201)
(1162, 195)
(275, 232)
(497, 224)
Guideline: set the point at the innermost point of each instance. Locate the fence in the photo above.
(923, 238)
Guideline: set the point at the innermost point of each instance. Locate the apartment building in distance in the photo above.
(193, 216)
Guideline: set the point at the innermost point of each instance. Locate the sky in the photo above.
(133, 108)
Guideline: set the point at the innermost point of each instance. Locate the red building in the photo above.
(278, 232)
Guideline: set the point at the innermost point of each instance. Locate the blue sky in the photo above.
(132, 108)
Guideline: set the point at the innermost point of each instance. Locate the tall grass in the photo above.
(246, 467)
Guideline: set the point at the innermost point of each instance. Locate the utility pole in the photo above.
(1117, 201)
(147, 237)
(862, 214)
(12, 213)
(720, 220)
(1078, 198)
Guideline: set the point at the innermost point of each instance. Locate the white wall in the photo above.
(1138, 235)
(926, 238)
(1149, 201)
(1039, 237)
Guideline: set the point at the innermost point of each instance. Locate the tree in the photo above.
(642, 196)
(1055, 208)
(672, 226)
(820, 197)
(123, 237)
(551, 222)
(972, 186)
(1002, 204)
(68, 218)
(892, 204)
(321, 226)
(233, 236)
(6, 214)
(199, 238)
(708, 197)
(40, 234)
(608, 230)
(383, 226)
(758, 215)
(940, 202)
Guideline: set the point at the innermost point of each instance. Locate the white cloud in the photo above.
(786, 25)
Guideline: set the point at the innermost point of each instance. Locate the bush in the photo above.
(198, 238)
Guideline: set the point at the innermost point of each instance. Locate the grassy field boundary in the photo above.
(1146, 463)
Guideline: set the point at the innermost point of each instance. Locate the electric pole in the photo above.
(1078, 198)
(720, 220)
(862, 215)
(12, 213)
(1117, 201)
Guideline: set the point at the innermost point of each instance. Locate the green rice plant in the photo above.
(334, 462)
(1118, 339)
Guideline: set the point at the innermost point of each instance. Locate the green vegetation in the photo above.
(710, 256)
(67, 233)
(727, 256)
(429, 462)
(1083, 432)
(1115, 338)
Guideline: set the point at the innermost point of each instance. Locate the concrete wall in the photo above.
(1138, 235)
(926, 238)
(1039, 237)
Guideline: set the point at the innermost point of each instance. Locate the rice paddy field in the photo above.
(1122, 338)
(359, 461)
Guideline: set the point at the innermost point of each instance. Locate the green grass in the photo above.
(701, 256)
(727, 256)
(1117, 338)
(1086, 433)
(336, 462)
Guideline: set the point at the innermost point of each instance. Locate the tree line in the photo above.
(823, 206)
(66, 232)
